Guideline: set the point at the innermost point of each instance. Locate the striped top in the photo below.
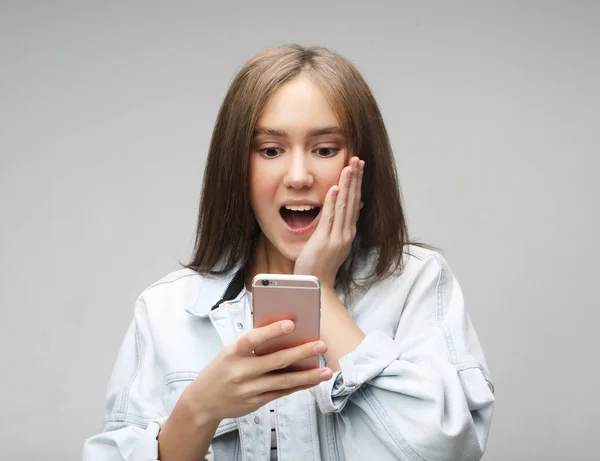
(271, 406)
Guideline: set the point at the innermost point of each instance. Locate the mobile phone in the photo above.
(288, 297)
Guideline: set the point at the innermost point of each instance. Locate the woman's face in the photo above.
(297, 154)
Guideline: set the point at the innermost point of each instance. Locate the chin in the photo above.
(291, 251)
(291, 254)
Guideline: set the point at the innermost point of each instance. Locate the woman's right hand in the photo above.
(237, 382)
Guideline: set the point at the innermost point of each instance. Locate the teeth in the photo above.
(299, 207)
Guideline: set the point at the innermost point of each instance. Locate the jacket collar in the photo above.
(216, 289)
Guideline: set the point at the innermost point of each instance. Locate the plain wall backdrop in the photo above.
(106, 112)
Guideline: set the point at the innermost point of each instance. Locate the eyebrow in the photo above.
(311, 134)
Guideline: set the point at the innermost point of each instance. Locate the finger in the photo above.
(353, 198)
(269, 396)
(247, 343)
(286, 357)
(341, 204)
(327, 212)
(288, 381)
(360, 204)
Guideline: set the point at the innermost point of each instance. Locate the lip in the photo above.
(300, 202)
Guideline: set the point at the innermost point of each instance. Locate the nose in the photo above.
(298, 173)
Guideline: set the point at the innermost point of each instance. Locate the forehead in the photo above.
(299, 104)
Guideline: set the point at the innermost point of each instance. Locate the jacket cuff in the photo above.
(147, 448)
(376, 352)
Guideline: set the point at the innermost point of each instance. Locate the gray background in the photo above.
(106, 113)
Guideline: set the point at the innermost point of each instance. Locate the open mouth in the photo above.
(299, 217)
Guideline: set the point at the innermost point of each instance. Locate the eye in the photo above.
(270, 152)
(326, 151)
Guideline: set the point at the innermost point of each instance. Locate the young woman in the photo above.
(300, 178)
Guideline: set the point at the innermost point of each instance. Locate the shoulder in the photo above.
(421, 269)
(417, 261)
(425, 261)
(175, 280)
(426, 276)
(425, 269)
(175, 291)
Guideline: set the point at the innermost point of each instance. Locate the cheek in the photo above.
(331, 176)
(263, 185)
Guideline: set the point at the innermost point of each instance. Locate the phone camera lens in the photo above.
(265, 282)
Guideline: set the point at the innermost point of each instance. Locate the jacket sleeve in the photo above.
(134, 410)
(423, 394)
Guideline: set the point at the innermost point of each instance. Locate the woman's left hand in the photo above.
(331, 241)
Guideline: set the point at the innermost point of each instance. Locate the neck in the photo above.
(266, 260)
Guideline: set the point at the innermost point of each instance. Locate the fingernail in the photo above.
(287, 326)
(319, 348)
(326, 373)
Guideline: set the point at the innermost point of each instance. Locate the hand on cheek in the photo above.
(331, 241)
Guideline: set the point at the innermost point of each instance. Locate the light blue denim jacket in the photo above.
(417, 388)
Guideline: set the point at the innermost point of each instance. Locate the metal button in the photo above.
(240, 326)
(256, 419)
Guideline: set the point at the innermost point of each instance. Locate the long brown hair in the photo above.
(227, 229)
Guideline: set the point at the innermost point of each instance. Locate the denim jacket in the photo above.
(417, 388)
